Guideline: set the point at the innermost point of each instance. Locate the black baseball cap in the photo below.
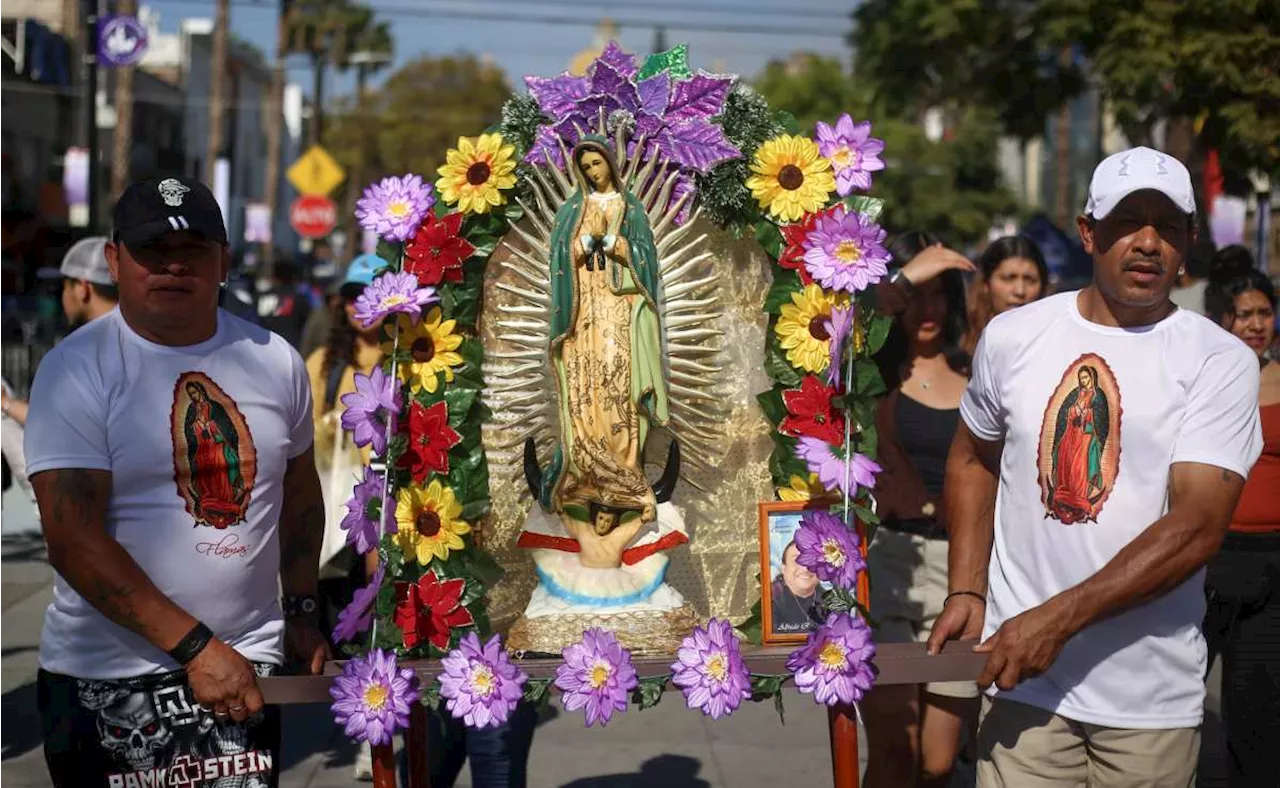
(149, 209)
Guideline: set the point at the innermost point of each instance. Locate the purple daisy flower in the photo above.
(853, 152)
(597, 674)
(838, 326)
(834, 664)
(829, 463)
(372, 697)
(845, 252)
(393, 207)
(393, 292)
(829, 548)
(361, 520)
(374, 403)
(357, 617)
(710, 671)
(480, 682)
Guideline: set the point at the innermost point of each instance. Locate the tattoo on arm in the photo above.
(114, 600)
(73, 507)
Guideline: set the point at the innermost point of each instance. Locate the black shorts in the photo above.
(148, 732)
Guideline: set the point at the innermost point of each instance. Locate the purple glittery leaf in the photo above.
(590, 107)
(568, 129)
(702, 96)
(621, 62)
(696, 144)
(655, 92)
(557, 96)
(610, 90)
(606, 79)
(544, 147)
(648, 125)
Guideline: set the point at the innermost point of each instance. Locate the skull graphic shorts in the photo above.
(149, 732)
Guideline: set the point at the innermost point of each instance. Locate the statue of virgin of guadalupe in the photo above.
(606, 351)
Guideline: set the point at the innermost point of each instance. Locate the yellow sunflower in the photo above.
(433, 347)
(476, 172)
(802, 331)
(802, 489)
(428, 522)
(791, 177)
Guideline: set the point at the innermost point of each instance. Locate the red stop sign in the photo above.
(313, 216)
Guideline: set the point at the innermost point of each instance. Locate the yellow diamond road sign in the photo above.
(315, 172)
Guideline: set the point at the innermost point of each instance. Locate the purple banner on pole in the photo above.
(122, 41)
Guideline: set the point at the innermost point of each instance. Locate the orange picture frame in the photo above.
(768, 512)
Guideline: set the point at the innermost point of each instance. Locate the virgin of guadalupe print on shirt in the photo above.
(214, 459)
(1080, 442)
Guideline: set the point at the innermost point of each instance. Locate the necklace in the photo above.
(924, 384)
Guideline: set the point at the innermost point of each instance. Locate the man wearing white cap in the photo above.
(1105, 437)
(88, 293)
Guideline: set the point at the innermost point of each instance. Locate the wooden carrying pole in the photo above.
(898, 663)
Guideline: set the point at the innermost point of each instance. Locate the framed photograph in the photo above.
(790, 595)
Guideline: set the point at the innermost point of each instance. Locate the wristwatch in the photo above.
(900, 279)
(300, 605)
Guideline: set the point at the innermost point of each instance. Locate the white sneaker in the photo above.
(364, 764)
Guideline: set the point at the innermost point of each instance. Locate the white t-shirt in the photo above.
(1092, 417)
(234, 408)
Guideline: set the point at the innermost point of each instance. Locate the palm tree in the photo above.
(326, 32)
(322, 30)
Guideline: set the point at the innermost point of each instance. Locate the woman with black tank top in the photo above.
(914, 731)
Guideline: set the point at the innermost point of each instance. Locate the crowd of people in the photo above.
(1059, 471)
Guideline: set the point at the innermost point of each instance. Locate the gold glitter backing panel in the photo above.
(644, 634)
(716, 572)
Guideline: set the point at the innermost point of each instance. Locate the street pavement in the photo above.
(667, 746)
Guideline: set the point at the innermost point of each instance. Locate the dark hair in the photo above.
(894, 355)
(981, 310)
(1008, 247)
(341, 345)
(1231, 273)
(106, 292)
(285, 272)
(1199, 261)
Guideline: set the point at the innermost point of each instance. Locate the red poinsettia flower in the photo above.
(430, 610)
(430, 438)
(436, 251)
(793, 252)
(811, 412)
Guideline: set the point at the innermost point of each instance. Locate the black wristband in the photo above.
(190, 646)
(973, 594)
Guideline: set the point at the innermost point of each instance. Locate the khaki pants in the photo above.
(1021, 746)
(908, 586)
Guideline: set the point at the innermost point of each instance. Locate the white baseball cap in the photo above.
(86, 260)
(1128, 171)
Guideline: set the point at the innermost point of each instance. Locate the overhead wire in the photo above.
(522, 17)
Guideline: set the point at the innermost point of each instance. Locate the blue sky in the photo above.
(760, 30)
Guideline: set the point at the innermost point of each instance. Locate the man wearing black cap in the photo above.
(170, 447)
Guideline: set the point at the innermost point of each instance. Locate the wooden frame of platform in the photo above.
(897, 663)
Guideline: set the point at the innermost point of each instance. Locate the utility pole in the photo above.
(217, 90)
(122, 143)
(90, 117)
(275, 123)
